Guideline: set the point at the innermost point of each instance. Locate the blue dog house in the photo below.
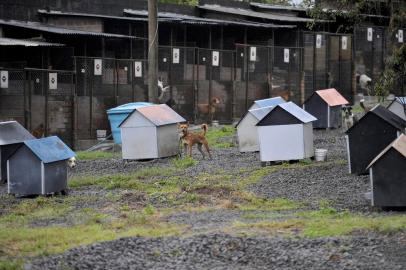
(39, 166)
(118, 114)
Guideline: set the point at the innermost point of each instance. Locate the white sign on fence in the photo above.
(286, 55)
(344, 43)
(253, 54)
(4, 79)
(176, 56)
(400, 36)
(53, 81)
(370, 35)
(98, 67)
(216, 58)
(318, 41)
(138, 69)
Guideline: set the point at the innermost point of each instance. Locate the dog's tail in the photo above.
(204, 127)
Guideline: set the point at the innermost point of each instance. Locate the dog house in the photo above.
(39, 166)
(326, 106)
(388, 175)
(246, 128)
(370, 135)
(286, 133)
(398, 107)
(12, 135)
(118, 114)
(150, 132)
(261, 103)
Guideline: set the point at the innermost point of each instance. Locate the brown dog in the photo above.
(209, 109)
(189, 139)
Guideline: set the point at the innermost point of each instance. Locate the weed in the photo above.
(87, 155)
(10, 265)
(183, 163)
(214, 136)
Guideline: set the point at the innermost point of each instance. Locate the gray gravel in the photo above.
(222, 251)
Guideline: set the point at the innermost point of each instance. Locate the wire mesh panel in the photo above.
(308, 66)
(140, 80)
(12, 98)
(240, 84)
(215, 73)
(345, 81)
(83, 97)
(125, 76)
(182, 81)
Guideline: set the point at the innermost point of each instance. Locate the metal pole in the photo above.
(152, 51)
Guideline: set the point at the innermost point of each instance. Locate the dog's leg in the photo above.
(190, 149)
(206, 145)
(199, 147)
(185, 145)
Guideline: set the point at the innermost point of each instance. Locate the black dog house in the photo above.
(370, 135)
(39, 167)
(326, 106)
(388, 175)
(12, 134)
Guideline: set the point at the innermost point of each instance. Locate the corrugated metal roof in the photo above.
(12, 132)
(332, 97)
(297, 112)
(401, 100)
(260, 112)
(277, 7)
(255, 14)
(269, 101)
(386, 115)
(159, 115)
(188, 19)
(27, 43)
(59, 30)
(399, 145)
(50, 149)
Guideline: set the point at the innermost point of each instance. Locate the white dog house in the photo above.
(398, 107)
(150, 132)
(262, 103)
(286, 133)
(247, 130)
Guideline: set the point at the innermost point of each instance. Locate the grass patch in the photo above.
(10, 265)
(183, 163)
(90, 155)
(214, 136)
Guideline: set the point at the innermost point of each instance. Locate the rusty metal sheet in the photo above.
(332, 97)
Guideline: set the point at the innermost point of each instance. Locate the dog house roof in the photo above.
(258, 113)
(401, 100)
(295, 111)
(332, 97)
(269, 101)
(386, 115)
(159, 115)
(399, 145)
(12, 132)
(50, 149)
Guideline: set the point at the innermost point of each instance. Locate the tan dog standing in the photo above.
(189, 139)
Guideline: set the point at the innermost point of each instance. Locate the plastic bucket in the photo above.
(320, 154)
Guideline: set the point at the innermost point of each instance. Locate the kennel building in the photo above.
(286, 133)
(39, 167)
(387, 174)
(370, 135)
(12, 135)
(150, 132)
(326, 106)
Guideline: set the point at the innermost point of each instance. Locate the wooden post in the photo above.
(152, 51)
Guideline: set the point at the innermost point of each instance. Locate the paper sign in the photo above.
(286, 55)
(318, 41)
(4, 79)
(53, 81)
(97, 67)
(138, 69)
(216, 57)
(369, 34)
(400, 36)
(344, 43)
(253, 54)
(176, 55)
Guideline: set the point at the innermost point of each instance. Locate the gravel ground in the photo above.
(222, 251)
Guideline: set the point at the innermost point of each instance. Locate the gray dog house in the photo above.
(398, 107)
(370, 135)
(39, 167)
(12, 135)
(150, 132)
(326, 106)
(388, 175)
(286, 133)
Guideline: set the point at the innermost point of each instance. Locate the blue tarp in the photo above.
(50, 149)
